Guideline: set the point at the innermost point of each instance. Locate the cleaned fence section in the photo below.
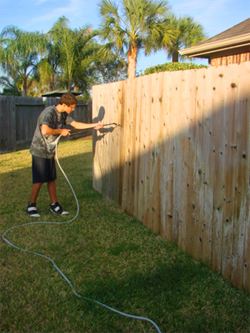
(179, 160)
(18, 117)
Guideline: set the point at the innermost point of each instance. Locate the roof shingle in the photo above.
(237, 30)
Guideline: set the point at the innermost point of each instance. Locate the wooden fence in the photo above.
(179, 160)
(18, 117)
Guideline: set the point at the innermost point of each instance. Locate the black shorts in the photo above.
(43, 169)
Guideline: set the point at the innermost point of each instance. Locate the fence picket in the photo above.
(185, 171)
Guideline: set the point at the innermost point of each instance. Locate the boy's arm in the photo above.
(46, 130)
(79, 125)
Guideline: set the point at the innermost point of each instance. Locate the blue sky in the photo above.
(40, 15)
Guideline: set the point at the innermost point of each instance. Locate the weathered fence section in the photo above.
(179, 160)
(18, 117)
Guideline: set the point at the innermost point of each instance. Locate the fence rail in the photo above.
(18, 117)
(180, 160)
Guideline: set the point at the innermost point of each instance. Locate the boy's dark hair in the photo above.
(68, 99)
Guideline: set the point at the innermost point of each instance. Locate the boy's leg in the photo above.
(31, 209)
(52, 191)
(35, 191)
(54, 206)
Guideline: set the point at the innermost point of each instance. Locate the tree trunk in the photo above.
(24, 92)
(52, 82)
(69, 83)
(175, 57)
(132, 60)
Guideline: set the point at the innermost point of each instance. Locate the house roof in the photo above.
(59, 93)
(237, 36)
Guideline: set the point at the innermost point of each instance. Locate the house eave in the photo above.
(220, 45)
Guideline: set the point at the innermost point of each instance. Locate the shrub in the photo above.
(172, 66)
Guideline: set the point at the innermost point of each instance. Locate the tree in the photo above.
(187, 33)
(110, 69)
(48, 67)
(95, 70)
(141, 25)
(11, 87)
(73, 46)
(19, 54)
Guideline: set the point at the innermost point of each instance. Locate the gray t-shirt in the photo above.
(42, 145)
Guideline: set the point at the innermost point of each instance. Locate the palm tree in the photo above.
(187, 33)
(48, 68)
(110, 69)
(11, 87)
(19, 54)
(73, 47)
(141, 25)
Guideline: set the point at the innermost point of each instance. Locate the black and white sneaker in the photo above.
(57, 209)
(32, 210)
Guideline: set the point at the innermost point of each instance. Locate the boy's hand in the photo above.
(98, 126)
(65, 132)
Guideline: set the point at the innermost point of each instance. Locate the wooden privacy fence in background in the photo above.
(18, 118)
(179, 160)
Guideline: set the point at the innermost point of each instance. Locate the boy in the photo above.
(49, 126)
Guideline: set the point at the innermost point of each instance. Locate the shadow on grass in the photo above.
(182, 297)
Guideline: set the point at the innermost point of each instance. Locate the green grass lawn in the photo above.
(108, 256)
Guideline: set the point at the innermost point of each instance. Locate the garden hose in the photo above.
(52, 261)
